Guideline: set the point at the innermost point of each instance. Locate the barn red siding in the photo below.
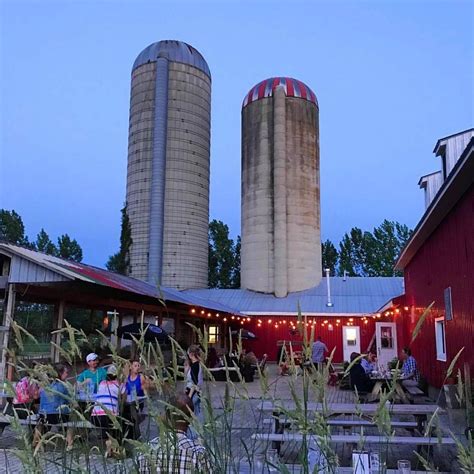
(445, 260)
(268, 334)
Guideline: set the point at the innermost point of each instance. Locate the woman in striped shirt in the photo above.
(107, 405)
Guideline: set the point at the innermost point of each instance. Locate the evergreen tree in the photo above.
(120, 261)
(329, 257)
(236, 269)
(12, 229)
(44, 244)
(69, 248)
(221, 256)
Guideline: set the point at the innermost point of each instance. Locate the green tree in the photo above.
(329, 257)
(355, 247)
(236, 269)
(44, 244)
(12, 229)
(222, 257)
(120, 261)
(69, 248)
(389, 239)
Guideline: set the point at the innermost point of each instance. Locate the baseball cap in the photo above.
(112, 370)
(91, 356)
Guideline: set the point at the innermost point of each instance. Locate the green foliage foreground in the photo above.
(222, 416)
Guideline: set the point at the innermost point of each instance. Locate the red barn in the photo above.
(438, 263)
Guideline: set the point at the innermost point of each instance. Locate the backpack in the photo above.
(23, 391)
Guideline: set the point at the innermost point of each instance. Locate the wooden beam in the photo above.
(58, 324)
(7, 322)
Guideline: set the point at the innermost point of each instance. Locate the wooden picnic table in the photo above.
(381, 381)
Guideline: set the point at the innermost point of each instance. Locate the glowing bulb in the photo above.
(202, 311)
(225, 320)
(193, 310)
(269, 321)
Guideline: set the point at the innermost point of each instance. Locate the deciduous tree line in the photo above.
(363, 253)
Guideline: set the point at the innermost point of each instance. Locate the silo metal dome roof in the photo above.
(176, 51)
(293, 88)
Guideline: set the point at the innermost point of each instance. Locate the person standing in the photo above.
(93, 375)
(107, 405)
(194, 378)
(318, 353)
(135, 389)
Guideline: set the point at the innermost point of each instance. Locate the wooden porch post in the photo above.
(58, 324)
(7, 322)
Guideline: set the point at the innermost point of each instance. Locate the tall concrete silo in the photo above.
(168, 165)
(281, 230)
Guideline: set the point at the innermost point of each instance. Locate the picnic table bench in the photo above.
(419, 412)
(356, 439)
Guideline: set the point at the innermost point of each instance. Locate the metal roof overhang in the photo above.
(459, 181)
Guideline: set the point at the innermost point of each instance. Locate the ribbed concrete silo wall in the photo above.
(140, 157)
(168, 166)
(303, 195)
(257, 197)
(185, 242)
(281, 241)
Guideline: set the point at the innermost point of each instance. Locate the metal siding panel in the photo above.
(157, 197)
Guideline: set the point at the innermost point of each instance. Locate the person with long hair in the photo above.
(54, 405)
(194, 378)
(107, 406)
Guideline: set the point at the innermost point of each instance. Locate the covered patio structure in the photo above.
(35, 278)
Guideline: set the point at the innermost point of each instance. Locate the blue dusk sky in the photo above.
(391, 78)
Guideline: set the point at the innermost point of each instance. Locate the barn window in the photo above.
(440, 335)
(213, 334)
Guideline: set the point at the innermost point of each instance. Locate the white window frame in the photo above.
(440, 339)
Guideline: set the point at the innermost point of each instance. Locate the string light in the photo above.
(406, 308)
(193, 310)
(225, 320)
(269, 321)
(248, 319)
(233, 317)
(338, 321)
(217, 315)
(202, 311)
(208, 315)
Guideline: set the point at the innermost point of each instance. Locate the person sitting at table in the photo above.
(54, 405)
(91, 377)
(410, 373)
(359, 379)
(107, 405)
(367, 363)
(175, 452)
(135, 386)
(27, 394)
